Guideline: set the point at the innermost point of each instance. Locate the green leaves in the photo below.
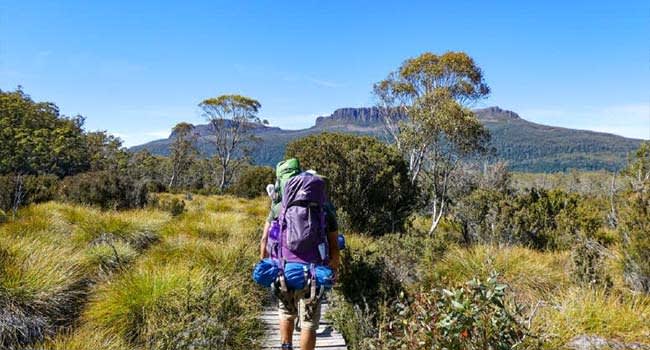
(368, 179)
(477, 315)
(36, 139)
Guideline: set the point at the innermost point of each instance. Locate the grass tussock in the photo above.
(191, 289)
(577, 311)
(532, 274)
(52, 255)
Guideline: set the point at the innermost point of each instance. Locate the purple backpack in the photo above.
(299, 234)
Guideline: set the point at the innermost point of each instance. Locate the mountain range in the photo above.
(525, 145)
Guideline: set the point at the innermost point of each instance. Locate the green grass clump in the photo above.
(579, 311)
(532, 274)
(50, 257)
(190, 290)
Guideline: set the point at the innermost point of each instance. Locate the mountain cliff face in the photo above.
(525, 145)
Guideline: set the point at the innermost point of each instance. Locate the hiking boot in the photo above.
(286, 347)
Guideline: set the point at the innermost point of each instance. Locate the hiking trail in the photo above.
(327, 338)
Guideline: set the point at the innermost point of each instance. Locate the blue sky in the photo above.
(136, 68)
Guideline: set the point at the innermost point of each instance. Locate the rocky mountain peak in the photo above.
(495, 114)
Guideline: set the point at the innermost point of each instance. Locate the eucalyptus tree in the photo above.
(183, 151)
(425, 107)
(232, 118)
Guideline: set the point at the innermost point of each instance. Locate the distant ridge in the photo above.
(525, 145)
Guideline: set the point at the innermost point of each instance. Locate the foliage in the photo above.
(36, 139)
(589, 266)
(634, 224)
(51, 254)
(536, 218)
(173, 205)
(477, 315)
(424, 107)
(32, 189)
(105, 152)
(105, 189)
(368, 180)
(252, 181)
(231, 117)
(183, 150)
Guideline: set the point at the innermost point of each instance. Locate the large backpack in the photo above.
(299, 233)
(303, 236)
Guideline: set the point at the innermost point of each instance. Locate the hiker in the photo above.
(302, 302)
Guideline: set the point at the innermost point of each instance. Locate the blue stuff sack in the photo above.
(265, 272)
(294, 274)
(324, 276)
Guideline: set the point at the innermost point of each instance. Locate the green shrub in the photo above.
(634, 224)
(589, 266)
(33, 189)
(368, 180)
(536, 218)
(173, 205)
(104, 189)
(477, 315)
(252, 182)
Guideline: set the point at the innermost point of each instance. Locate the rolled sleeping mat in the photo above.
(294, 274)
(265, 272)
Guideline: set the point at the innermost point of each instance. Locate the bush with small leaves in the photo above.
(105, 189)
(252, 182)
(477, 315)
(589, 264)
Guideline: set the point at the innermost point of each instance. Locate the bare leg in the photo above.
(307, 339)
(286, 331)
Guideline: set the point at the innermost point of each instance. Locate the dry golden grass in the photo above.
(199, 269)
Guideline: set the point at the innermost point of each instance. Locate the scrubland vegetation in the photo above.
(104, 249)
(75, 277)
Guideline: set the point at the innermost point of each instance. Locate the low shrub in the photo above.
(29, 188)
(634, 223)
(173, 205)
(477, 315)
(252, 182)
(531, 274)
(105, 189)
(589, 264)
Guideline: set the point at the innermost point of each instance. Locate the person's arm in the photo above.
(335, 260)
(265, 237)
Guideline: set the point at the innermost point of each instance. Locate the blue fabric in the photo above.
(341, 240)
(265, 272)
(295, 277)
(324, 276)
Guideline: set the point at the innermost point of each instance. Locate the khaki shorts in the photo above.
(307, 323)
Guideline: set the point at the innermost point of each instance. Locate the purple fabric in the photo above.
(302, 219)
(273, 242)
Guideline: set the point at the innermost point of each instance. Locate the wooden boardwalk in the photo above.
(327, 338)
